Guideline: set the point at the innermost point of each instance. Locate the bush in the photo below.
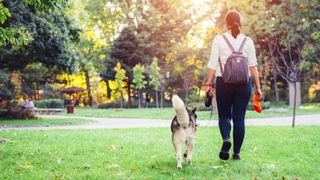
(134, 105)
(50, 103)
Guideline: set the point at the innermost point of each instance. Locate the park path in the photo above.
(103, 123)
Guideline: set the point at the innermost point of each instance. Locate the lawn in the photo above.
(268, 153)
(168, 113)
(42, 122)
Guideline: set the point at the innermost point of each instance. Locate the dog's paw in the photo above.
(179, 167)
(188, 162)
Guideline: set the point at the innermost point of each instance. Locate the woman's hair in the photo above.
(233, 20)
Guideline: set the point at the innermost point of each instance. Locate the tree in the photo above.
(289, 36)
(50, 39)
(139, 80)
(154, 74)
(125, 49)
(19, 35)
(119, 78)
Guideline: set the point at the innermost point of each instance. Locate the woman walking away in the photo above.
(233, 65)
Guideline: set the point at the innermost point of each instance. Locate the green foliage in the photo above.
(15, 36)
(51, 38)
(19, 35)
(138, 77)
(119, 77)
(4, 85)
(50, 103)
(154, 74)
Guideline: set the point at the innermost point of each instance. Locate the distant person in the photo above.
(232, 94)
(25, 103)
(30, 104)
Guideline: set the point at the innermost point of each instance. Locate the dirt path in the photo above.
(102, 123)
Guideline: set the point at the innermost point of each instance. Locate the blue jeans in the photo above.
(232, 102)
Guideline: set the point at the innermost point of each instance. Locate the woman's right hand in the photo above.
(209, 90)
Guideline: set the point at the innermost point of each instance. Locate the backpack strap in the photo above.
(228, 42)
(242, 44)
(220, 65)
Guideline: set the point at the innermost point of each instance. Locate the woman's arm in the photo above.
(211, 75)
(255, 75)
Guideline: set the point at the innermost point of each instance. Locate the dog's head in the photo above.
(193, 116)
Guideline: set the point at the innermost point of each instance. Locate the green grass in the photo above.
(268, 153)
(41, 122)
(168, 113)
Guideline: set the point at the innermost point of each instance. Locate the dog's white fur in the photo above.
(181, 111)
(185, 133)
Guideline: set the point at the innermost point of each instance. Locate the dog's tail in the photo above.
(181, 111)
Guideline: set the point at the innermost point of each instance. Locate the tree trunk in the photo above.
(294, 104)
(121, 102)
(139, 98)
(88, 87)
(294, 96)
(316, 78)
(157, 99)
(186, 97)
(108, 89)
(161, 98)
(129, 94)
(275, 86)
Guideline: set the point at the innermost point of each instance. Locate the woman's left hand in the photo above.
(259, 94)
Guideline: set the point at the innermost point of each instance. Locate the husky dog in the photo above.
(183, 128)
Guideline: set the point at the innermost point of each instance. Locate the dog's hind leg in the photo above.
(178, 149)
(190, 145)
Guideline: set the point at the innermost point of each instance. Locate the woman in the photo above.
(232, 100)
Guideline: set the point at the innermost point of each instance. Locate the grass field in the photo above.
(268, 153)
(168, 113)
(42, 122)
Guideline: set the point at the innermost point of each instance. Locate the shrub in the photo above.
(134, 105)
(50, 103)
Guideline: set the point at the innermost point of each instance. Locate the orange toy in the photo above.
(256, 104)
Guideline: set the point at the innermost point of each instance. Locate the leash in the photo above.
(209, 118)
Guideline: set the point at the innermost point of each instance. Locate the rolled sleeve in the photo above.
(252, 58)
(214, 55)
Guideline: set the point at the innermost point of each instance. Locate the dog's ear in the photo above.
(194, 110)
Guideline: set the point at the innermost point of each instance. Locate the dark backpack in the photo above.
(236, 68)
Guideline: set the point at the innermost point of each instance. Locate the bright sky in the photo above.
(202, 7)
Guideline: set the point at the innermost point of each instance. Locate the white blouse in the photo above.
(220, 48)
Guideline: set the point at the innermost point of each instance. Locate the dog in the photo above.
(183, 128)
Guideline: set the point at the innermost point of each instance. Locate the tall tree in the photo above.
(139, 80)
(154, 74)
(126, 50)
(119, 78)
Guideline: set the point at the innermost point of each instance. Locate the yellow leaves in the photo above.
(98, 87)
(313, 90)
